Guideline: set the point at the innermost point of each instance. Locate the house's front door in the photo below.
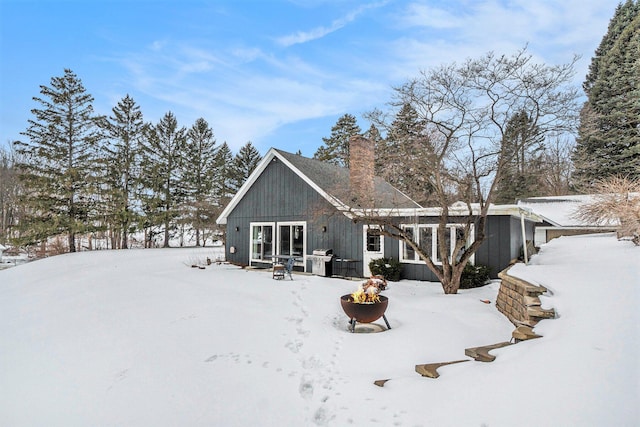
(373, 247)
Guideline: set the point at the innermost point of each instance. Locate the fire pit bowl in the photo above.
(364, 312)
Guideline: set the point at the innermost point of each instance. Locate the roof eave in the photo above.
(494, 210)
(268, 158)
(222, 218)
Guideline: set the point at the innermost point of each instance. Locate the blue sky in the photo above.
(276, 73)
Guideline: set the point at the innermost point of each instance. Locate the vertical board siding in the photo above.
(279, 194)
(502, 244)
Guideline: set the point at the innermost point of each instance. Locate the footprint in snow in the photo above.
(306, 387)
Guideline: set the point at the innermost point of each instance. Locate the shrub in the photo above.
(617, 202)
(388, 268)
(474, 276)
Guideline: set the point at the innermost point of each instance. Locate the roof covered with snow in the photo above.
(559, 211)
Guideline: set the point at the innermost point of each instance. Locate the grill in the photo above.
(321, 262)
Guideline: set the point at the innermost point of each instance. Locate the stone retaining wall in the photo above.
(518, 300)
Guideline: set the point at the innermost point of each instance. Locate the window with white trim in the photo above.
(374, 238)
(262, 241)
(426, 237)
(291, 240)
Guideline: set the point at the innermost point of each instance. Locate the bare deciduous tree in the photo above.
(465, 110)
(558, 167)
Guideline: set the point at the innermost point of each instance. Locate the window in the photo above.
(458, 234)
(426, 238)
(261, 241)
(373, 240)
(408, 253)
(291, 240)
(282, 238)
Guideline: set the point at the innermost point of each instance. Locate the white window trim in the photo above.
(434, 242)
(273, 242)
(304, 242)
(365, 243)
(366, 255)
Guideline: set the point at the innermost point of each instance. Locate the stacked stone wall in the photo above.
(519, 301)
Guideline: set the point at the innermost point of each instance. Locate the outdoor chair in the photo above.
(279, 270)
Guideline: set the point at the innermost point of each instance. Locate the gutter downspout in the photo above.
(524, 238)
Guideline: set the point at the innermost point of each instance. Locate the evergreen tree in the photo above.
(162, 171)
(379, 143)
(405, 155)
(622, 17)
(336, 147)
(608, 141)
(57, 164)
(10, 191)
(199, 177)
(243, 164)
(125, 129)
(523, 154)
(224, 188)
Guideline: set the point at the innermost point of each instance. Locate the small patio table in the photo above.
(348, 266)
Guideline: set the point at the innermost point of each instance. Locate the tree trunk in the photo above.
(451, 282)
(166, 235)
(72, 242)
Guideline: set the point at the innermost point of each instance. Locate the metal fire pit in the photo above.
(364, 313)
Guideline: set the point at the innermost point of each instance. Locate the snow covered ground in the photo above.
(139, 338)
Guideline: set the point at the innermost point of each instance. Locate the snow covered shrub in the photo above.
(388, 268)
(474, 276)
(617, 202)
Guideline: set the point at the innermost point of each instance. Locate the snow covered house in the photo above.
(293, 206)
(558, 214)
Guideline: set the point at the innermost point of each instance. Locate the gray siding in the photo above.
(280, 195)
(495, 251)
(502, 244)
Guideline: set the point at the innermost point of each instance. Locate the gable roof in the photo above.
(330, 181)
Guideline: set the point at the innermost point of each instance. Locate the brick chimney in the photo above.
(361, 170)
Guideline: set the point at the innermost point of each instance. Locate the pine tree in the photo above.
(336, 147)
(126, 130)
(199, 177)
(523, 151)
(57, 164)
(162, 173)
(405, 155)
(223, 187)
(608, 141)
(10, 191)
(373, 135)
(243, 164)
(622, 17)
